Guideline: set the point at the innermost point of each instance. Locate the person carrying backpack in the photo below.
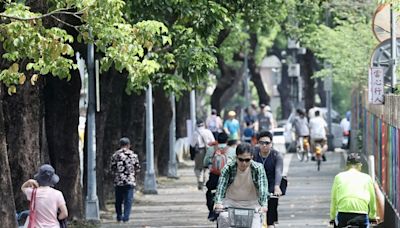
(216, 158)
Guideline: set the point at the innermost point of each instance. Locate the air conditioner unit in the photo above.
(293, 44)
(294, 70)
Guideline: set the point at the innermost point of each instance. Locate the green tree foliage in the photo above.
(348, 48)
(339, 33)
(198, 29)
(42, 50)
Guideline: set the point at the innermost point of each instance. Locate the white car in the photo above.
(279, 139)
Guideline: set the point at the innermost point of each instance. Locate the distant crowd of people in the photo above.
(242, 166)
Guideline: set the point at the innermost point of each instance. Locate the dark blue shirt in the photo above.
(273, 165)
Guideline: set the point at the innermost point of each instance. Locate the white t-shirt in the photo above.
(202, 135)
(345, 125)
(48, 200)
(317, 128)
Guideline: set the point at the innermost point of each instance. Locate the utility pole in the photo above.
(193, 110)
(92, 202)
(150, 185)
(172, 166)
(393, 47)
(328, 90)
(246, 81)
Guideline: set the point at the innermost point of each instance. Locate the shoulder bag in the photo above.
(31, 219)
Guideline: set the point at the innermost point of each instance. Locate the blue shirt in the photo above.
(233, 127)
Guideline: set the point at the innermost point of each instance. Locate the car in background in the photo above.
(279, 141)
(289, 135)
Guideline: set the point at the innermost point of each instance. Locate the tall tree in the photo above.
(34, 45)
(7, 207)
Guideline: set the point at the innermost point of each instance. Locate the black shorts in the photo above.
(272, 213)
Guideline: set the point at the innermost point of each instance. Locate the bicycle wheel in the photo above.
(319, 162)
(300, 154)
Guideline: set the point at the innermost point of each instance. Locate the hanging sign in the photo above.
(375, 85)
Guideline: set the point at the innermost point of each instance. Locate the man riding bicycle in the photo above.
(353, 195)
(242, 184)
(318, 129)
(302, 131)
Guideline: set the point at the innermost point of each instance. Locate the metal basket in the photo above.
(241, 217)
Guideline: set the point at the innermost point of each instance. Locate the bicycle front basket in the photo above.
(241, 217)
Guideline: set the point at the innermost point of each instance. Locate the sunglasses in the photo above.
(264, 142)
(244, 159)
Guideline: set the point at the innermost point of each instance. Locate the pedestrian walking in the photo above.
(201, 138)
(212, 160)
(345, 126)
(45, 201)
(353, 195)
(125, 166)
(232, 126)
(265, 119)
(214, 123)
(272, 162)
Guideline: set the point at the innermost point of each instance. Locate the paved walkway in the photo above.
(179, 203)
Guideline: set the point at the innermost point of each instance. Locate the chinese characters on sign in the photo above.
(375, 85)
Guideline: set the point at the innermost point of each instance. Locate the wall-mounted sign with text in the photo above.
(375, 85)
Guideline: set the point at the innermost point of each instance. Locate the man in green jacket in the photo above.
(353, 195)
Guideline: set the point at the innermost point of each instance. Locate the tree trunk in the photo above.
(183, 105)
(263, 96)
(62, 117)
(321, 92)
(108, 130)
(120, 115)
(7, 206)
(228, 80)
(284, 92)
(162, 119)
(308, 66)
(133, 125)
(23, 125)
(284, 87)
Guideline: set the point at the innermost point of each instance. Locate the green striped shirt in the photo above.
(258, 176)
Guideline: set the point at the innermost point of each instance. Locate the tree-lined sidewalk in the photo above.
(180, 204)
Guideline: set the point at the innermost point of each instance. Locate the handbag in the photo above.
(31, 219)
(283, 185)
(63, 223)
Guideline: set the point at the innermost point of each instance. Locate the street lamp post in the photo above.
(150, 185)
(393, 47)
(92, 202)
(172, 166)
(193, 110)
(328, 90)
